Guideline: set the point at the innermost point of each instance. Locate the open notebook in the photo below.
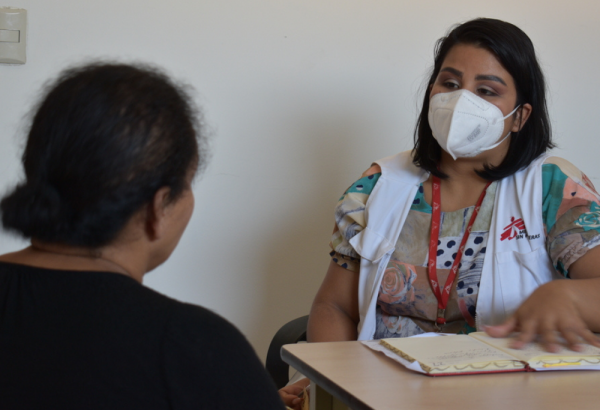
(480, 353)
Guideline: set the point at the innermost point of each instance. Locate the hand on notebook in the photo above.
(550, 315)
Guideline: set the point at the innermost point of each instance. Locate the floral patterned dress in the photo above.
(406, 304)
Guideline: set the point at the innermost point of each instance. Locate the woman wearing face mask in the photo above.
(471, 228)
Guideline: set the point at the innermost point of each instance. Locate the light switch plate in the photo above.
(13, 35)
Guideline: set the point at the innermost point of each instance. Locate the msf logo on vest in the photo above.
(516, 230)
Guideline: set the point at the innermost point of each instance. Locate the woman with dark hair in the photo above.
(109, 161)
(470, 229)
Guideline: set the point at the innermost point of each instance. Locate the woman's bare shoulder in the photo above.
(375, 169)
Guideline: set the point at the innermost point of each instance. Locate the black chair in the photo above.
(292, 332)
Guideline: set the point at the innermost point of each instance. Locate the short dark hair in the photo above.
(103, 139)
(514, 50)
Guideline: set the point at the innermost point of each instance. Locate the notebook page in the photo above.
(535, 350)
(447, 351)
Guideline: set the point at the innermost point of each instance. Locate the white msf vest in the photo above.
(516, 261)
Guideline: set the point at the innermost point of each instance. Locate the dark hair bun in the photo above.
(31, 207)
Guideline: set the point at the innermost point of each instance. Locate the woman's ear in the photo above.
(156, 214)
(521, 116)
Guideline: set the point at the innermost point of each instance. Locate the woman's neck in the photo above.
(64, 257)
(463, 186)
(461, 170)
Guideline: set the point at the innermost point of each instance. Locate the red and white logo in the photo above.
(513, 229)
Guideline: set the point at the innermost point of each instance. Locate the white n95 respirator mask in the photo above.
(464, 124)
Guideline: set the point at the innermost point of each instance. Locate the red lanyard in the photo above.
(442, 296)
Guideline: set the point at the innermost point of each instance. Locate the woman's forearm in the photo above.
(586, 295)
(584, 287)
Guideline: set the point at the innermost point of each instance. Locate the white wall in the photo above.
(301, 95)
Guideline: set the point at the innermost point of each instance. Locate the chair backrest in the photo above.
(292, 332)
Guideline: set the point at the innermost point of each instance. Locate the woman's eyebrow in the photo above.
(454, 71)
(488, 77)
(491, 78)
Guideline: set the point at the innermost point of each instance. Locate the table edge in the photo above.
(316, 377)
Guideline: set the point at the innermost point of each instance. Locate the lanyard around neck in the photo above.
(442, 295)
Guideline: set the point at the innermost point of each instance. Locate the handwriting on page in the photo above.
(532, 350)
(462, 356)
(448, 351)
(536, 349)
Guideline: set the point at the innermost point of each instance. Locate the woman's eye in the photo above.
(450, 84)
(487, 92)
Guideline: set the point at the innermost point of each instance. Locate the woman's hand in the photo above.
(291, 394)
(561, 308)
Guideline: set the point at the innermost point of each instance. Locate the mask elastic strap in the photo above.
(506, 136)
(511, 113)
(498, 143)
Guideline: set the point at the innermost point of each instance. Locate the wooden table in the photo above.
(363, 379)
